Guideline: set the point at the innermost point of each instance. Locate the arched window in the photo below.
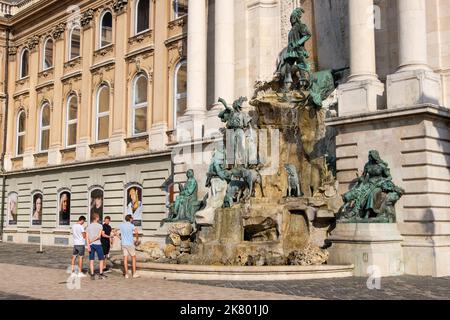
(180, 8)
(24, 64)
(20, 133)
(180, 90)
(48, 54)
(106, 25)
(102, 114)
(71, 120)
(44, 127)
(140, 104)
(75, 43)
(142, 16)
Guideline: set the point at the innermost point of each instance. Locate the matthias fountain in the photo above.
(273, 196)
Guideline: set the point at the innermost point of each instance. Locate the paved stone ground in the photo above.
(24, 274)
(392, 288)
(20, 263)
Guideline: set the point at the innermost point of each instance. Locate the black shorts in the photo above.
(106, 248)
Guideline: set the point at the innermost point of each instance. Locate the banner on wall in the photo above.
(36, 215)
(96, 204)
(134, 204)
(64, 208)
(11, 209)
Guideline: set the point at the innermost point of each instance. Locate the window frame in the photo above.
(21, 76)
(43, 128)
(99, 115)
(100, 30)
(136, 18)
(70, 43)
(176, 95)
(175, 14)
(44, 54)
(135, 106)
(70, 122)
(20, 133)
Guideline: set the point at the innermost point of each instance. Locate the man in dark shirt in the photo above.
(106, 241)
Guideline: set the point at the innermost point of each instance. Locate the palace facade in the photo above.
(96, 95)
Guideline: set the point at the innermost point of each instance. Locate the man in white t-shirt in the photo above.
(79, 244)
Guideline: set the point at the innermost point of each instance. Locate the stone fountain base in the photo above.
(237, 273)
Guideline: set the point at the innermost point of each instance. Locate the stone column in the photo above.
(363, 90)
(414, 82)
(196, 71)
(223, 60)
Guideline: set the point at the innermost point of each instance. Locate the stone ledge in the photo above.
(390, 114)
(234, 273)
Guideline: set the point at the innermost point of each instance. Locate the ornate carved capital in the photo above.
(33, 43)
(58, 31)
(87, 18)
(120, 6)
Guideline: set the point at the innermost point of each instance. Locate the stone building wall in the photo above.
(113, 177)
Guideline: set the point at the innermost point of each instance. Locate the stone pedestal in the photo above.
(366, 245)
(359, 97)
(411, 88)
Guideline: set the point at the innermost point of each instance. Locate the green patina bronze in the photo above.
(374, 196)
(186, 204)
(293, 60)
(321, 86)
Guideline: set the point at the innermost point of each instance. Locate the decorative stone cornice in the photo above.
(33, 43)
(180, 22)
(120, 6)
(58, 31)
(141, 37)
(87, 18)
(104, 51)
(73, 63)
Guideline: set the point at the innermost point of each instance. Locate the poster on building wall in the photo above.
(64, 208)
(96, 204)
(36, 215)
(134, 204)
(11, 209)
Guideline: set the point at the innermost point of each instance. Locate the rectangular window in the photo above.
(140, 120)
(20, 144)
(103, 128)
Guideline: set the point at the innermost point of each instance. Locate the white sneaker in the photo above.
(127, 276)
(81, 275)
(136, 276)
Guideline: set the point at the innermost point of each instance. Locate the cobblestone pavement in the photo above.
(25, 256)
(392, 288)
(24, 274)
